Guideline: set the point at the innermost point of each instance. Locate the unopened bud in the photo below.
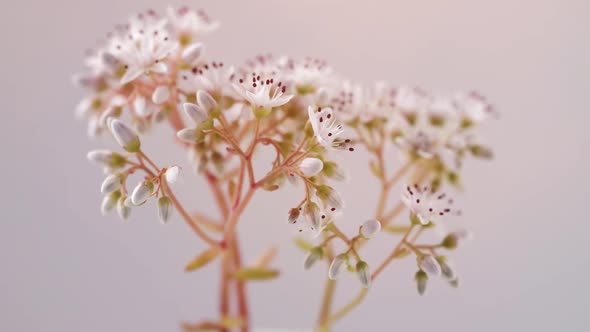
(329, 196)
(109, 202)
(293, 215)
(110, 184)
(188, 135)
(314, 255)
(141, 107)
(336, 266)
(164, 209)
(311, 167)
(369, 228)
(172, 174)
(429, 264)
(124, 136)
(192, 53)
(205, 100)
(197, 114)
(421, 281)
(363, 273)
(446, 269)
(122, 209)
(312, 214)
(142, 192)
(107, 158)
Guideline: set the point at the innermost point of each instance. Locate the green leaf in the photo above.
(256, 273)
(203, 259)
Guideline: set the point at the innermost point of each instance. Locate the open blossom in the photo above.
(262, 91)
(189, 25)
(325, 128)
(426, 205)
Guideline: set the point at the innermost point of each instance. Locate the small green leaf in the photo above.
(256, 273)
(203, 259)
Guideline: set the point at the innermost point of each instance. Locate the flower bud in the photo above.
(161, 94)
(333, 171)
(197, 114)
(164, 209)
(128, 202)
(141, 107)
(109, 202)
(110, 184)
(124, 136)
(421, 281)
(429, 264)
(363, 273)
(454, 283)
(192, 53)
(188, 135)
(107, 158)
(310, 167)
(122, 209)
(312, 214)
(205, 100)
(369, 228)
(314, 255)
(293, 215)
(446, 269)
(142, 192)
(329, 196)
(336, 266)
(172, 174)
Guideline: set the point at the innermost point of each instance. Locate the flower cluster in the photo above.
(153, 69)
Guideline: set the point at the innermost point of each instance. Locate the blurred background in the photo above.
(64, 267)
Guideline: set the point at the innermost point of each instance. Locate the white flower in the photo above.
(161, 94)
(473, 106)
(110, 184)
(313, 219)
(144, 51)
(336, 266)
(262, 92)
(124, 135)
(430, 265)
(363, 273)
(307, 75)
(142, 192)
(370, 228)
(172, 174)
(190, 25)
(326, 129)
(428, 206)
(310, 167)
(164, 209)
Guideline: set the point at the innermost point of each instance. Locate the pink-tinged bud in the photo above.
(311, 167)
(195, 113)
(161, 94)
(126, 137)
(205, 100)
(192, 53)
(370, 228)
(336, 266)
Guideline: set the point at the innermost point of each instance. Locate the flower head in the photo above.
(426, 205)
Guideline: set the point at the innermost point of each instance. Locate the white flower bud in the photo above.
(124, 135)
(192, 53)
(128, 202)
(109, 202)
(141, 107)
(369, 228)
(188, 135)
(421, 280)
(336, 266)
(110, 184)
(311, 167)
(161, 94)
(205, 100)
(100, 156)
(142, 192)
(164, 209)
(446, 269)
(429, 264)
(363, 273)
(314, 255)
(195, 113)
(172, 174)
(122, 209)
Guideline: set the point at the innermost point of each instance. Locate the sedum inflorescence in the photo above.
(152, 70)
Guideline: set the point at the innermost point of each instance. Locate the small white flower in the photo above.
(370, 228)
(124, 135)
(161, 94)
(164, 209)
(311, 167)
(142, 192)
(206, 101)
(427, 205)
(110, 184)
(314, 255)
(172, 174)
(473, 106)
(326, 129)
(192, 53)
(336, 266)
(363, 273)
(262, 92)
(430, 265)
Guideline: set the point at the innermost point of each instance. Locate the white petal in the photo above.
(161, 94)
(205, 100)
(192, 53)
(131, 74)
(172, 174)
(195, 113)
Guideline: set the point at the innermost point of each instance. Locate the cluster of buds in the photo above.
(153, 69)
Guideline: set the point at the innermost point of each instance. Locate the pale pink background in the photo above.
(63, 267)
